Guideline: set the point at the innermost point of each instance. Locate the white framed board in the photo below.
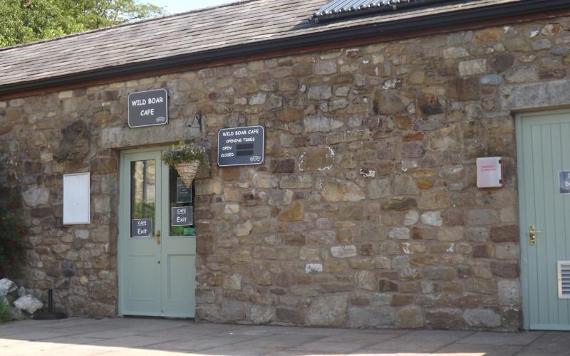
(77, 198)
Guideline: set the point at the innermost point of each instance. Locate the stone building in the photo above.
(366, 210)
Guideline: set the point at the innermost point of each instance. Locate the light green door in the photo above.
(543, 142)
(156, 254)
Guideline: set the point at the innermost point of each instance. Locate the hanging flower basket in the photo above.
(187, 171)
(186, 159)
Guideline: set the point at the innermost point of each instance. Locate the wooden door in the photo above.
(156, 260)
(543, 172)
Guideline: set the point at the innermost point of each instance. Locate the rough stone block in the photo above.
(505, 269)
(293, 316)
(508, 233)
(283, 166)
(366, 280)
(338, 190)
(243, 229)
(325, 67)
(399, 233)
(445, 318)
(388, 104)
(485, 318)
(450, 233)
(296, 181)
(7, 287)
(410, 317)
(321, 124)
(481, 217)
(264, 180)
(294, 212)
(400, 204)
(343, 251)
(261, 314)
(327, 310)
(233, 282)
(370, 317)
(36, 196)
(522, 74)
(533, 95)
(455, 52)
(509, 293)
(319, 92)
(28, 303)
(317, 159)
(404, 184)
(440, 273)
(472, 67)
(432, 218)
(385, 285)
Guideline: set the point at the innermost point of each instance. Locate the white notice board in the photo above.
(77, 198)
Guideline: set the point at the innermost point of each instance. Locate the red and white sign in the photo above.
(489, 172)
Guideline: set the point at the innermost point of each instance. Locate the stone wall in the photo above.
(365, 213)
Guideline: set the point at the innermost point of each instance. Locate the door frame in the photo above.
(523, 238)
(125, 198)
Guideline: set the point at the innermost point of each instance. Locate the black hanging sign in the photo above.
(148, 108)
(183, 193)
(181, 216)
(241, 146)
(141, 227)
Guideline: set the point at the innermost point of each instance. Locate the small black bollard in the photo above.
(50, 314)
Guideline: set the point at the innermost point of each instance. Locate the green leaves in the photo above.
(11, 243)
(5, 314)
(183, 152)
(23, 21)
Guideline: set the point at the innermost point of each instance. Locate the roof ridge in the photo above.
(102, 29)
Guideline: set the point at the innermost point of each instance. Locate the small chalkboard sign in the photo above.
(181, 216)
(148, 108)
(183, 193)
(565, 182)
(241, 146)
(141, 227)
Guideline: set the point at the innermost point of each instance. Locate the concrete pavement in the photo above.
(142, 336)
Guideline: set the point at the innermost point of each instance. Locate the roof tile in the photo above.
(246, 22)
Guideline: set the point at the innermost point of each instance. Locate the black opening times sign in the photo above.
(241, 146)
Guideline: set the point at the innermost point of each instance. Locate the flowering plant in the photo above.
(183, 152)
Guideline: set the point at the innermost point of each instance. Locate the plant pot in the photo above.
(187, 171)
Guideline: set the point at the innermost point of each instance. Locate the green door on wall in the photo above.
(543, 141)
(156, 255)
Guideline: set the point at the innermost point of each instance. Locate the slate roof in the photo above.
(186, 35)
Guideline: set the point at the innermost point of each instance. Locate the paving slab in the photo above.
(158, 337)
(499, 339)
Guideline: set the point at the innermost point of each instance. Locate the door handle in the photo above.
(157, 237)
(532, 231)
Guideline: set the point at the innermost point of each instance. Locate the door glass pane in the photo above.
(181, 201)
(143, 197)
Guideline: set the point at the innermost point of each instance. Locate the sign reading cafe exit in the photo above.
(148, 108)
(241, 146)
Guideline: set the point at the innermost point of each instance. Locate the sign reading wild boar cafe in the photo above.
(241, 146)
(148, 108)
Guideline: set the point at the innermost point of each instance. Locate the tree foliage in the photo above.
(24, 21)
(11, 241)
